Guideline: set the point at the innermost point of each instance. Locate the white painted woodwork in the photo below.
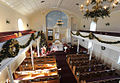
(111, 53)
(27, 7)
(13, 62)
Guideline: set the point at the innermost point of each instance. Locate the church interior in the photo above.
(59, 41)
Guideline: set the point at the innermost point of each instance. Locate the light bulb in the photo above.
(88, 2)
(110, 0)
(81, 6)
(116, 2)
(113, 5)
(105, 7)
(98, 1)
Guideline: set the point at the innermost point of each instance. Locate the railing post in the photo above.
(78, 46)
(10, 74)
(32, 58)
(90, 49)
(38, 51)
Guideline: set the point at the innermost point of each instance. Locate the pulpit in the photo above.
(57, 46)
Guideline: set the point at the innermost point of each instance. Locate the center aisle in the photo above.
(65, 73)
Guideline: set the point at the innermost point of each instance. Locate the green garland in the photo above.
(43, 41)
(11, 47)
(30, 39)
(92, 36)
(77, 33)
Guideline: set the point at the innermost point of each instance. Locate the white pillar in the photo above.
(90, 54)
(90, 48)
(78, 46)
(69, 35)
(10, 74)
(32, 58)
(38, 51)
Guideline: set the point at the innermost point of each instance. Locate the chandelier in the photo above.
(59, 22)
(98, 8)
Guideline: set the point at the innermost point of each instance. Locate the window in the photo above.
(20, 25)
(119, 60)
(93, 26)
(53, 16)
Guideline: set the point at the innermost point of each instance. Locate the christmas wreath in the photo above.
(9, 49)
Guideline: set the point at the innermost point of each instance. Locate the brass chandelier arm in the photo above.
(98, 8)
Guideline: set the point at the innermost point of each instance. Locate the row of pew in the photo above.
(37, 70)
(45, 62)
(91, 70)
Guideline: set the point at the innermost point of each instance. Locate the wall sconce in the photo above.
(7, 21)
(27, 25)
(84, 26)
(107, 24)
(103, 48)
(83, 40)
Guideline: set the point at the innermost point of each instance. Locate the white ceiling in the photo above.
(28, 7)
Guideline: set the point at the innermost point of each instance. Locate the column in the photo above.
(78, 46)
(32, 58)
(10, 74)
(38, 51)
(90, 48)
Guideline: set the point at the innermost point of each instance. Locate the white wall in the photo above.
(38, 19)
(86, 22)
(114, 21)
(75, 23)
(6, 13)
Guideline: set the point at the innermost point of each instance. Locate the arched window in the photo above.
(53, 16)
(20, 24)
(93, 26)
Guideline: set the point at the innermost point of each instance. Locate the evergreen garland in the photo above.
(92, 36)
(12, 47)
(43, 41)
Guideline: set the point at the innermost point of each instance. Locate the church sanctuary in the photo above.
(59, 41)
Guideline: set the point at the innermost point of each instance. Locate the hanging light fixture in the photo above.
(98, 8)
(59, 21)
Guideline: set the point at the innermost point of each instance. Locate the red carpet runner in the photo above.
(65, 73)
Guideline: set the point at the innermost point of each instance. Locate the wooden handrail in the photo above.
(117, 34)
(4, 36)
